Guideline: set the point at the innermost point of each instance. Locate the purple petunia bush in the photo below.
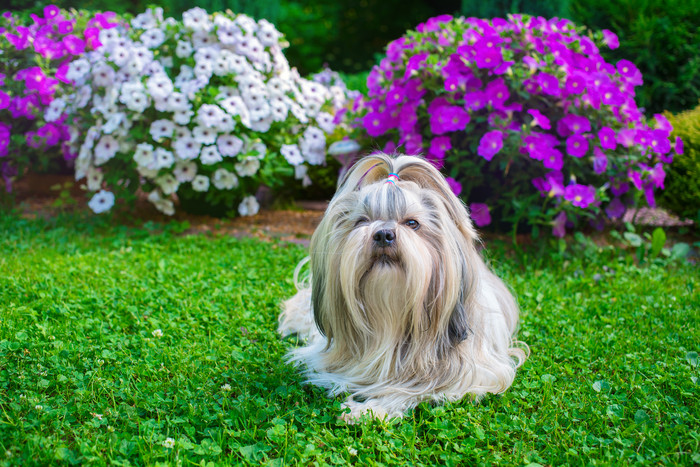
(524, 116)
(34, 126)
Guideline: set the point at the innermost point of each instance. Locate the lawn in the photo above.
(144, 345)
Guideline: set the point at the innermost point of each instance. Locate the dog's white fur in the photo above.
(422, 318)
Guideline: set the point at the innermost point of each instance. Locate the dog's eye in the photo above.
(412, 224)
(361, 220)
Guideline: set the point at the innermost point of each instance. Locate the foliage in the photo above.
(662, 36)
(682, 192)
(524, 114)
(207, 108)
(141, 345)
(33, 127)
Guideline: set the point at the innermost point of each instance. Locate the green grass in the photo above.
(83, 379)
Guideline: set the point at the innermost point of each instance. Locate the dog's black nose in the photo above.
(384, 237)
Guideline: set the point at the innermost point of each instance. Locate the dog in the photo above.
(399, 307)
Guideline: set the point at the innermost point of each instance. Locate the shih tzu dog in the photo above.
(399, 306)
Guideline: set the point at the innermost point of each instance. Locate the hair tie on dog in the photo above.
(393, 178)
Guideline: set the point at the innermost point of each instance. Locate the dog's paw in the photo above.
(369, 409)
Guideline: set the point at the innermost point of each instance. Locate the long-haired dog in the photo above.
(400, 307)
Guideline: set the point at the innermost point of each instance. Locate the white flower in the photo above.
(163, 158)
(267, 33)
(161, 129)
(106, 149)
(165, 206)
(182, 117)
(169, 443)
(249, 206)
(187, 148)
(206, 54)
(144, 155)
(108, 37)
(226, 387)
(203, 70)
(77, 69)
(262, 125)
(248, 167)
(103, 75)
(352, 451)
(178, 101)
(160, 86)
(277, 86)
(226, 123)
(182, 132)
(200, 183)
(246, 23)
(259, 148)
(203, 39)
(144, 20)
(314, 138)
(298, 112)
(185, 171)
(94, 179)
(209, 115)
(55, 109)
(120, 55)
(228, 34)
(157, 333)
(292, 154)
(152, 38)
(137, 101)
(98, 416)
(102, 201)
(300, 173)
(229, 145)
(204, 135)
(197, 19)
(278, 110)
(210, 155)
(168, 184)
(238, 64)
(224, 180)
(183, 49)
(113, 122)
(39, 407)
(325, 122)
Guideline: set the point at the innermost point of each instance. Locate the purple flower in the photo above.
(73, 44)
(549, 84)
(475, 100)
(611, 95)
(678, 147)
(662, 123)
(553, 159)
(480, 214)
(610, 39)
(580, 195)
(575, 124)
(51, 11)
(413, 143)
(576, 145)
(497, 93)
(488, 57)
(4, 99)
(490, 144)
(375, 123)
(50, 133)
(615, 209)
(600, 161)
(448, 118)
(539, 119)
(636, 178)
(66, 27)
(606, 136)
(414, 64)
(439, 146)
(649, 195)
(659, 142)
(559, 226)
(626, 137)
(455, 186)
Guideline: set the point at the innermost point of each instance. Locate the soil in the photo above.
(38, 195)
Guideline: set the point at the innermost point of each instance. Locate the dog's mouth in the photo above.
(384, 257)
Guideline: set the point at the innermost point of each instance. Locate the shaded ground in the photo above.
(47, 195)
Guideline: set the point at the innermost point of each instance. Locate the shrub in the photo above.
(206, 108)
(35, 57)
(682, 192)
(523, 114)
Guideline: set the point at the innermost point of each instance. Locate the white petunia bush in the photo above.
(206, 110)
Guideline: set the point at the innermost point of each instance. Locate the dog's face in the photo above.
(390, 259)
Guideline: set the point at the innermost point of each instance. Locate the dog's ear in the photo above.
(425, 175)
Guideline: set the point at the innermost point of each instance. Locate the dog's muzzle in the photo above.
(384, 238)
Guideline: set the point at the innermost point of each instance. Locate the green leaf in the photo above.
(633, 239)
(680, 250)
(658, 240)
